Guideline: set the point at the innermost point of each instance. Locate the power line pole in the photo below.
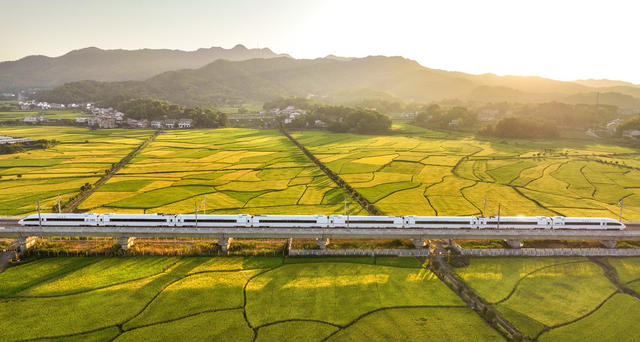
(195, 210)
(498, 227)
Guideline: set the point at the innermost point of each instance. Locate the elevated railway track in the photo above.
(11, 228)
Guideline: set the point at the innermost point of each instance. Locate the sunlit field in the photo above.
(557, 299)
(234, 170)
(197, 298)
(82, 156)
(433, 173)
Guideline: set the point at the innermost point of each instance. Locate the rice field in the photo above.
(81, 156)
(558, 299)
(433, 173)
(219, 171)
(231, 298)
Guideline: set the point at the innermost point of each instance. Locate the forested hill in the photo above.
(257, 80)
(112, 65)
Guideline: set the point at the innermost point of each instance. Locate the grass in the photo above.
(295, 331)
(205, 292)
(418, 324)
(536, 293)
(628, 268)
(494, 278)
(102, 273)
(15, 279)
(214, 326)
(614, 321)
(340, 292)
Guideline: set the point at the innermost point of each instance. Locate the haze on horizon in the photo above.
(564, 40)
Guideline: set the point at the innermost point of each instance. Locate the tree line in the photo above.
(154, 109)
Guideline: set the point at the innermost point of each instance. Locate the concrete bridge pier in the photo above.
(609, 243)
(126, 242)
(24, 243)
(514, 243)
(420, 243)
(322, 242)
(225, 243)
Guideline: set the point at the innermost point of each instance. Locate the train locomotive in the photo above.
(322, 221)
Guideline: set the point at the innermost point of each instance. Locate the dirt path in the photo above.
(72, 205)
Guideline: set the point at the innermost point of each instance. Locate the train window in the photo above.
(50, 219)
(211, 220)
(287, 221)
(442, 222)
(137, 220)
(582, 223)
(373, 222)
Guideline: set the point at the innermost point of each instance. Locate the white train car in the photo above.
(343, 221)
(302, 221)
(213, 220)
(60, 220)
(137, 220)
(441, 222)
(595, 223)
(515, 222)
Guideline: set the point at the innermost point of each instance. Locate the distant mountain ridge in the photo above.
(218, 76)
(226, 82)
(113, 65)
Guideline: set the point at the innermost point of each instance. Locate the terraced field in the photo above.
(559, 299)
(433, 173)
(81, 157)
(52, 115)
(235, 170)
(232, 298)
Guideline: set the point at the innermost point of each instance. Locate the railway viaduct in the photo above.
(420, 237)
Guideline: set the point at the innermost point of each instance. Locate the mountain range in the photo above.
(112, 65)
(219, 76)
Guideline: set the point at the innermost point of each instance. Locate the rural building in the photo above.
(156, 124)
(169, 123)
(454, 123)
(81, 119)
(631, 133)
(34, 119)
(184, 123)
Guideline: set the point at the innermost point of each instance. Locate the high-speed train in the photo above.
(322, 221)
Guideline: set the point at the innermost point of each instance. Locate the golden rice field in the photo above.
(81, 157)
(432, 173)
(414, 171)
(221, 171)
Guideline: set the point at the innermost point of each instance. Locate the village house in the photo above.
(169, 123)
(156, 124)
(34, 119)
(631, 133)
(184, 123)
(81, 119)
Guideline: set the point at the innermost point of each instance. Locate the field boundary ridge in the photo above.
(551, 252)
(75, 201)
(364, 203)
(360, 252)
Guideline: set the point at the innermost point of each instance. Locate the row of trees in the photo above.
(344, 119)
(521, 128)
(29, 145)
(154, 109)
(434, 116)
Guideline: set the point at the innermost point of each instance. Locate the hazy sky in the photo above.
(561, 39)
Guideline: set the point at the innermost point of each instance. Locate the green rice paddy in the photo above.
(222, 298)
(557, 299)
(220, 171)
(81, 157)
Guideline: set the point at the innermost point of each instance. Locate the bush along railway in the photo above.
(322, 228)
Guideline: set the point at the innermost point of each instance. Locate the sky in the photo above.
(560, 39)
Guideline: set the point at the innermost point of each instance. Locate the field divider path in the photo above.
(485, 310)
(355, 195)
(73, 204)
(612, 274)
